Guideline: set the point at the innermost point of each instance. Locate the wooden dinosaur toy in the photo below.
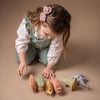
(48, 87)
(71, 83)
(80, 79)
(40, 82)
(32, 83)
(56, 85)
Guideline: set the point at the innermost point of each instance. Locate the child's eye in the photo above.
(46, 34)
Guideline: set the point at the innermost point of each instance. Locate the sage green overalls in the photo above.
(40, 45)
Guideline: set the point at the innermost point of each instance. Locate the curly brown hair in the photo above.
(58, 20)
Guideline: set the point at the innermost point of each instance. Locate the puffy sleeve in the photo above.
(21, 43)
(55, 50)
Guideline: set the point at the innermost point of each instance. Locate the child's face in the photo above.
(46, 32)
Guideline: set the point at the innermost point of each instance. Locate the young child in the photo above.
(46, 31)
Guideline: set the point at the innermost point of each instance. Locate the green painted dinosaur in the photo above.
(70, 82)
(40, 82)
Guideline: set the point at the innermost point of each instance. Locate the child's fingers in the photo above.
(43, 74)
(47, 75)
(25, 68)
(21, 69)
(52, 74)
(19, 72)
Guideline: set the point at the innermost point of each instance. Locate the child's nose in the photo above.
(49, 37)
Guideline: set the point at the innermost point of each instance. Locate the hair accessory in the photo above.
(46, 10)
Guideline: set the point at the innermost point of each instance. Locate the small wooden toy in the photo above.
(71, 83)
(80, 79)
(41, 83)
(49, 88)
(32, 83)
(56, 85)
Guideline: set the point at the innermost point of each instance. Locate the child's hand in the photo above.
(47, 73)
(22, 66)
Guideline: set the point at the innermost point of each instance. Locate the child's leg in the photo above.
(43, 56)
(30, 54)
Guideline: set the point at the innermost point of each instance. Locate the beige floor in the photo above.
(83, 54)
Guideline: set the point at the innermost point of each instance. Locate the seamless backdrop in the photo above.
(83, 54)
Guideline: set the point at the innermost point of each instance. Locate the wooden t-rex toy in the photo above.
(72, 83)
(48, 87)
(32, 83)
(80, 79)
(56, 85)
(40, 82)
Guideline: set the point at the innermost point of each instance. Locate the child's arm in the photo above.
(21, 45)
(55, 50)
(23, 64)
(22, 56)
(53, 56)
(50, 66)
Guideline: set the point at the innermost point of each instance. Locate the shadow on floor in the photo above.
(76, 54)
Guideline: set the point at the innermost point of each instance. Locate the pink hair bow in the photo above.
(46, 10)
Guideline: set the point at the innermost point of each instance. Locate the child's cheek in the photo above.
(42, 34)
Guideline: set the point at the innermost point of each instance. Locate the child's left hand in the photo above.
(47, 73)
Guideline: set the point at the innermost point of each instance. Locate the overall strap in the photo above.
(28, 24)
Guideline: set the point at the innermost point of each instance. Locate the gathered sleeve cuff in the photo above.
(55, 50)
(21, 43)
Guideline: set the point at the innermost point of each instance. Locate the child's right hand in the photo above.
(22, 66)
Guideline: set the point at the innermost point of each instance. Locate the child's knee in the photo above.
(43, 56)
(28, 58)
(43, 61)
(28, 62)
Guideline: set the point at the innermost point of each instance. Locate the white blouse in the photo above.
(21, 43)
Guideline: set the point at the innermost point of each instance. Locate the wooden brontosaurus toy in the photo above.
(32, 83)
(56, 85)
(71, 83)
(40, 82)
(48, 87)
(80, 79)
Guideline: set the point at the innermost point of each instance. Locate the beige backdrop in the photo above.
(83, 50)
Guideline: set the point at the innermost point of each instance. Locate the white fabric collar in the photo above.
(37, 34)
